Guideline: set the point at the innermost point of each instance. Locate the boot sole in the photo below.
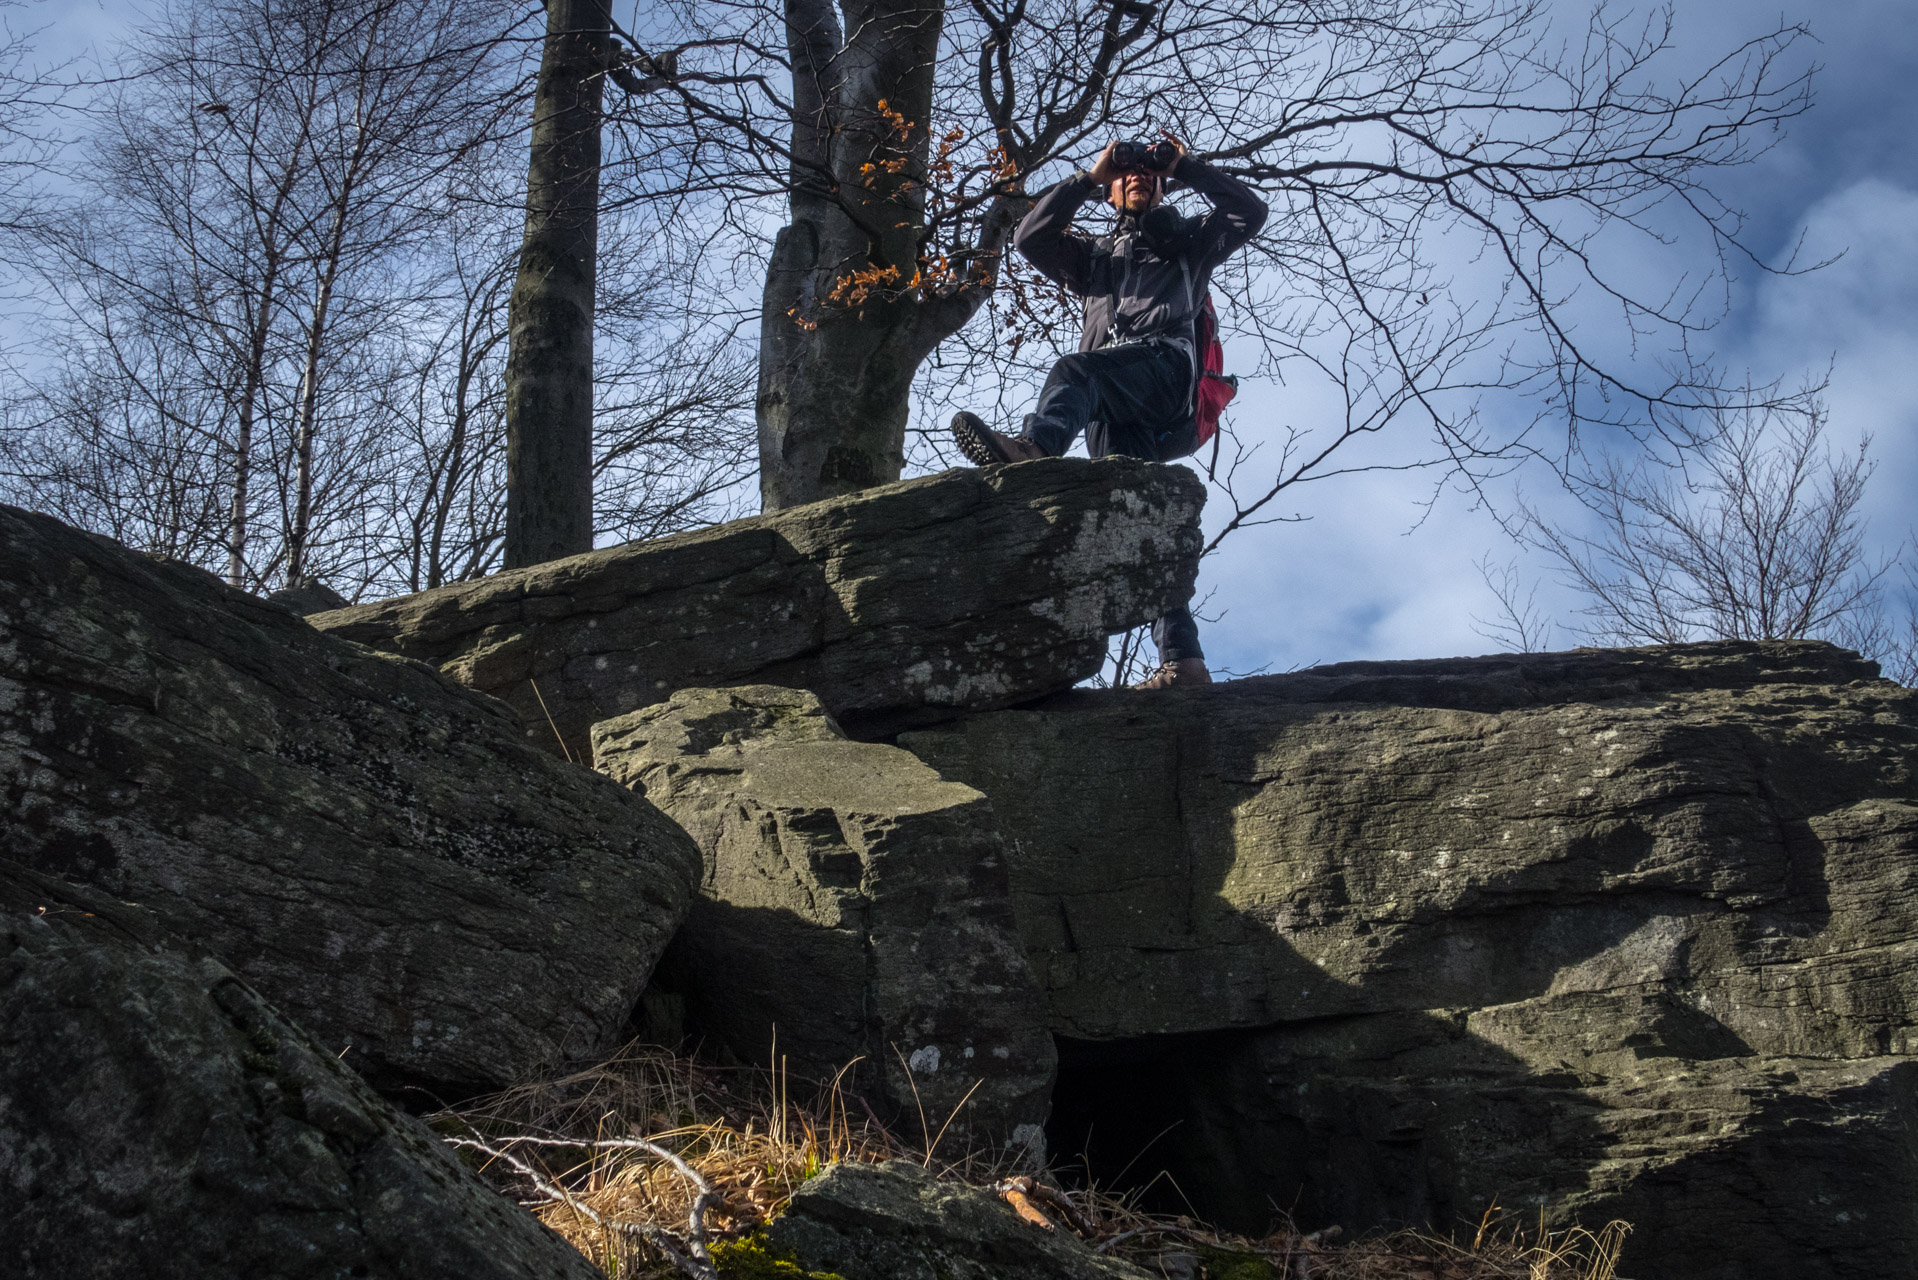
(977, 444)
(967, 434)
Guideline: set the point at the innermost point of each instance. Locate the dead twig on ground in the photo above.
(695, 1260)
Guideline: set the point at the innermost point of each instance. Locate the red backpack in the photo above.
(1215, 387)
(1212, 387)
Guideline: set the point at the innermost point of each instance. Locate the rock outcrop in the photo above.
(1621, 933)
(1628, 933)
(310, 596)
(159, 1120)
(375, 848)
(901, 604)
(895, 1221)
(854, 906)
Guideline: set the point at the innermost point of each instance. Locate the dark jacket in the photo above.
(1132, 289)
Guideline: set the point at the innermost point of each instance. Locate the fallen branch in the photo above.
(1021, 1192)
(1070, 1211)
(1023, 1206)
(696, 1261)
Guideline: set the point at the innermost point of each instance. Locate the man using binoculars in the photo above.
(1132, 385)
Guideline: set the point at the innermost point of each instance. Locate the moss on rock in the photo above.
(752, 1258)
(1226, 1264)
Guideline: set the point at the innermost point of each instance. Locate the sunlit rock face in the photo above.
(1626, 933)
(853, 915)
(896, 605)
(375, 848)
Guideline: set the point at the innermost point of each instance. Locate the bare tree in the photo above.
(30, 98)
(72, 449)
(1520, 625)
(1391, 136)
(451, 417)
(284, 307)
(1761, 539)
(259, 180)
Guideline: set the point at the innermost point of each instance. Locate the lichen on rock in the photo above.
(373, 846)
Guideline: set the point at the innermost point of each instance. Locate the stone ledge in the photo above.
(897, 605)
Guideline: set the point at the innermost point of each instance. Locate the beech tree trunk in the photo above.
(835, 373)
(549, 366)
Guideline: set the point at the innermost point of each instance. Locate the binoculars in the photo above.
(1139, 156)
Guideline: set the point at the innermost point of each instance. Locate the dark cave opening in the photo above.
(1176, 1121)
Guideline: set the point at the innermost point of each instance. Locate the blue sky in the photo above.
(1362, 577)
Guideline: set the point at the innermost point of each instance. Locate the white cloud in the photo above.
(1351, 583)
(1861, 315)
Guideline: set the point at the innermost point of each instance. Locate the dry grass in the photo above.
(1500, 1249)
(743, 1144)
(738, 1130)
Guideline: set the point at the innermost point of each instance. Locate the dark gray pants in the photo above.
(1132, 401)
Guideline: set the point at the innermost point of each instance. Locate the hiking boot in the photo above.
(1179, 671)
(983, 446)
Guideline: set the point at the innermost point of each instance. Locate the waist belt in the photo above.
(1180, 344)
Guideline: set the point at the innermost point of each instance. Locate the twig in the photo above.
(568, 751)
(1124, 1236)
(1022, 1205)
(950, 1118)
(1020, 1192)
(696, 1262)
(1063, 1203)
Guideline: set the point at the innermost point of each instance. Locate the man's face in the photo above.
(1134, 193)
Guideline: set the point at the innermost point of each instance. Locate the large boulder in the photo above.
(374, 847)
(895, 1221)
(895, 605)
(854, 907)
(159, 1120)
(1625, 933)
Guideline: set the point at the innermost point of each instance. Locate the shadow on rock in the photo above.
(1384, 945)
(853, 911)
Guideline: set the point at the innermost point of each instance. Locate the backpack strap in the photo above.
(1192, 314)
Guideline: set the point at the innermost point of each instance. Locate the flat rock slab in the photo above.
(159, 1120)
(854, 906)
(373, 846)
(896, 605)
(1386, 941)
(895, 1221)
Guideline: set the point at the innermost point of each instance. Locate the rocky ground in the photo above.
(1607, 934)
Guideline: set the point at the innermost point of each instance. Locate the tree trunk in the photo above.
(833, 399)
(306, 424)
(243, 442)
(549, 366)
(835, 374)
(254, 381)
(309, 409)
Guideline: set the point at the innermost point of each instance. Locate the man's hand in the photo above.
(1103, 171)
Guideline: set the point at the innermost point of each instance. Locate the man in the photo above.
(1131, 385)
